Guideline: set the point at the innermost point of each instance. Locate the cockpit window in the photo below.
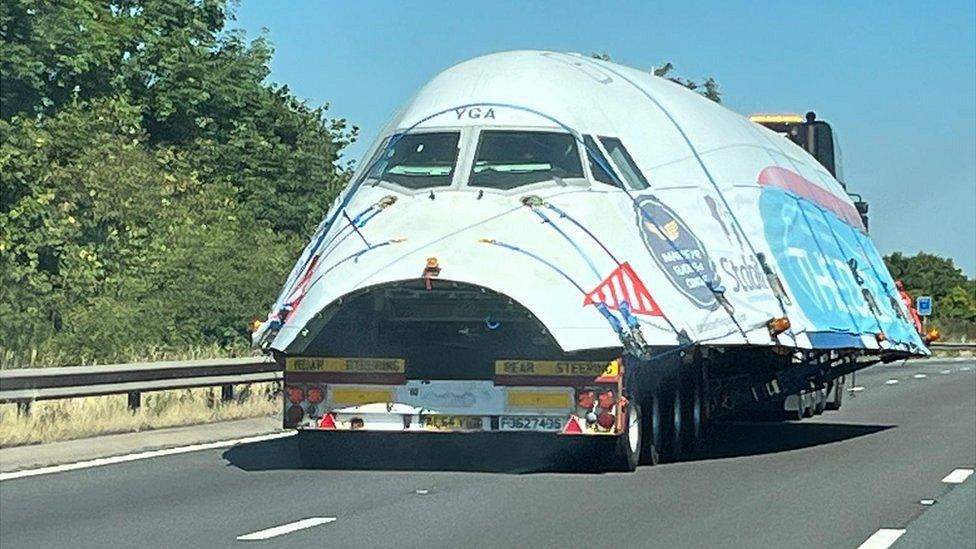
(509, 159)
(598, 163)
(418, 161)
(624, 163)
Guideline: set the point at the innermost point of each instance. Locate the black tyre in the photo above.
(693, 409)
(687, 412)
(653, 430)
(793, 415)
(679, 417)
(836, 394)
(630, 443)
(806, 402)
(820, 399)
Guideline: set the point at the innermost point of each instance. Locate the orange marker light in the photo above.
(778, 325)
(431, 270)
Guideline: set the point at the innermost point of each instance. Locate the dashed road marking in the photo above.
(891, 382)
(965, 369)
(857, 389)
(946, 372)
(285, 528)
(920, 376)
(139, 456)
(882, 539)
(957, 476)
(927, 502)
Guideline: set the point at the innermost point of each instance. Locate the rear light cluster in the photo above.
(597, 407)
(303, 402)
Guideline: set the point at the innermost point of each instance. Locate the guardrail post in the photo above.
(23, 407)
(135, 400)
(226, 393)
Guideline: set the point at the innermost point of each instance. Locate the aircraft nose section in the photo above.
(545, 259)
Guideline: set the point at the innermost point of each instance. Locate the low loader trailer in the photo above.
(563, 247)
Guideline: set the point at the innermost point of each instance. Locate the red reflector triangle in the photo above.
(573, 427)
(328, 422)
(623, 284)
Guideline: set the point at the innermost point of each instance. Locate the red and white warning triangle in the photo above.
(623, 284)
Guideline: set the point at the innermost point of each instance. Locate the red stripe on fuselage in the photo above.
(774, 176)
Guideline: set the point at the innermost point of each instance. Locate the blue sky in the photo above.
(897, 80)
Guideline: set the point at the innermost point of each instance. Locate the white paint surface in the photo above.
(957, 476)
(920, 376)
(285, 529)
(891, 382)
(140, 456)
(882, 539)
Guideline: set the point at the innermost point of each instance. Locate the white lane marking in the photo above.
(139, 456)
(882, 539)
(857, 389)
(920, 376)
(927, 502)
(957, 476)
(285, 528)
(421, 492)
(964, 369)
(946, 372)
(891, 382)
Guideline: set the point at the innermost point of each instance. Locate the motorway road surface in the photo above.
(832, 481)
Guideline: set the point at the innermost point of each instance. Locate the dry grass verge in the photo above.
(55, 420)
(53, 358)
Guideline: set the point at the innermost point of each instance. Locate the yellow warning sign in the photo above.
(351, 365)
(556, 368)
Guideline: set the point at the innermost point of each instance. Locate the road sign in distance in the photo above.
(924, 305)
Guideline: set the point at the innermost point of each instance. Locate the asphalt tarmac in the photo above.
(830, 481)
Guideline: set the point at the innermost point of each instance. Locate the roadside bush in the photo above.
(155, 189)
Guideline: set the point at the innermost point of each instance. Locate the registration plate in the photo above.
(454, 423)
(530, 423)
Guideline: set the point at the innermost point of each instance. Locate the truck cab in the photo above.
(817, 138)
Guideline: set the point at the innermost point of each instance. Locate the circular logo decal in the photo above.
(677, 251)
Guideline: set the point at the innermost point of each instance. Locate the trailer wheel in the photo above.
(806, 401)
(653, 431)
(793, 415)
(630, 442)
(687, 412)
(694, 408)
(836, 393)
(820, 399)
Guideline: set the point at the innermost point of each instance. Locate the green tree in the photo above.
(154, 186)
(925, 273)
(953, 295)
